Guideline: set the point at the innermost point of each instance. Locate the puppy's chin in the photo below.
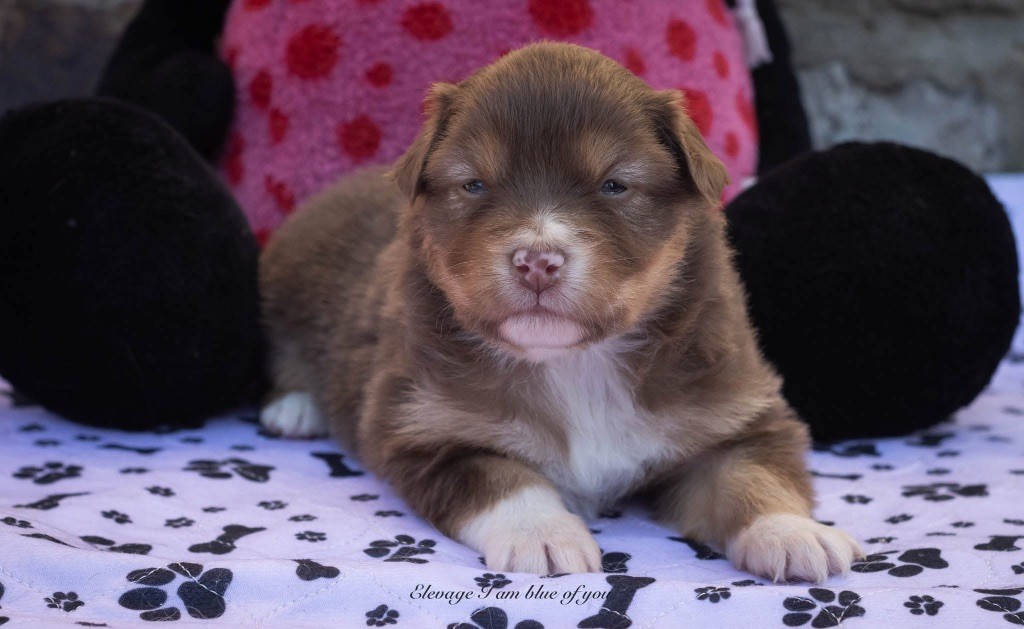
(539, 336)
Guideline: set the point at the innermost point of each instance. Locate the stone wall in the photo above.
(947, 75)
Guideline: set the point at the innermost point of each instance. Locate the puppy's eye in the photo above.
(612, 187)
(474, 187)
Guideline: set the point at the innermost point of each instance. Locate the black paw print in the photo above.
(112, 546)
(272, 505)
(962, 524)
(134, 470)
(1018, 568)
(21, 524)
(389, 514)
(914, 562)
(1005, 602)
(213, 509)
(364, 497)
(703, 551)
(49, 473)
(834, 610)
(156, 490)
(489, 580)
(46, 443)
(939, 492)
(712, 594)
(305, 517)
(310, 570)
(311, 536)
(496, 618)
(897, 519)
(923, 605)
(857, 499)
(66, 602)
(210, 468)
(880, 540)
(178, 523)
(849, 450)
(117, 516)
(202, 594)
(746, 583)
(380, 616)
(404, 549)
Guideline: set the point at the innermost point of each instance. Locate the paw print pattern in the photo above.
(914, 562)
(490, 580)
(311, 536)
(1005, 602)
(201, 594)
(918, 605)
(21, 524)
(305, 517)
(272, 505)
(48, 473)
(165, 492)
(178, 523)
(210, 468)
(310, 570)
(940, 492)
(833, 609)
(117, 517)
(496, 618)
(380, 616)
(857, 499)
(65, 602)
(112, 546)
(712, 594)
(402, 548)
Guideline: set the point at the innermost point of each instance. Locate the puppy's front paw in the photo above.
(785, 546)
(294, 415)
(533, 532)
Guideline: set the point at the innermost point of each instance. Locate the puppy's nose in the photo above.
(538, 269)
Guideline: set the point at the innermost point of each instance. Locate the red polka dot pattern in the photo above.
(234, 169)
(283, 195)
(717, 11)
(699, 108)
(380, 75)
(561, 18)
(428, 21)
(313, 52)
(277, 125)
(634, 62)
(721, 64)
(732, 144)
(260, 88)
(682, 40)
(359, 138)
(304, 67)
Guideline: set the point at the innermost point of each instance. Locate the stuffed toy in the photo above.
(145, 311)
(325, 87)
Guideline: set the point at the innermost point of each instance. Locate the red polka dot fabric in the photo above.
(325, 87)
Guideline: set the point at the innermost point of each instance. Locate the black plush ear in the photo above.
(408, 170)
(680, 135)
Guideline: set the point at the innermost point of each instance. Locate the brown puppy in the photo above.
(535, 315)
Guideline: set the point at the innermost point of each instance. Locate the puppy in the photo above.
(534, 314)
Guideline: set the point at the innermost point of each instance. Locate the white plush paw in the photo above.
(294, 415)
(785, 546)
(532, 532)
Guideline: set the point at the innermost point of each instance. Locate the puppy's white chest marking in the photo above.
(612, 442)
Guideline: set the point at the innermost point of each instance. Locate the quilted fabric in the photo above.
(325, 87)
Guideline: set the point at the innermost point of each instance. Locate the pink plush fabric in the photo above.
(326, 86)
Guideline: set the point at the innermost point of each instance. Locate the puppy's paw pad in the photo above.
(294, 415)
(785, 546)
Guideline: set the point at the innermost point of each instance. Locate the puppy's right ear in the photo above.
(408, 170)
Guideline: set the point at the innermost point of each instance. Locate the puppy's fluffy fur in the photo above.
(503, 407)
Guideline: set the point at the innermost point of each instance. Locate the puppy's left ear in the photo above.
(677, 131)
(408, 170)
